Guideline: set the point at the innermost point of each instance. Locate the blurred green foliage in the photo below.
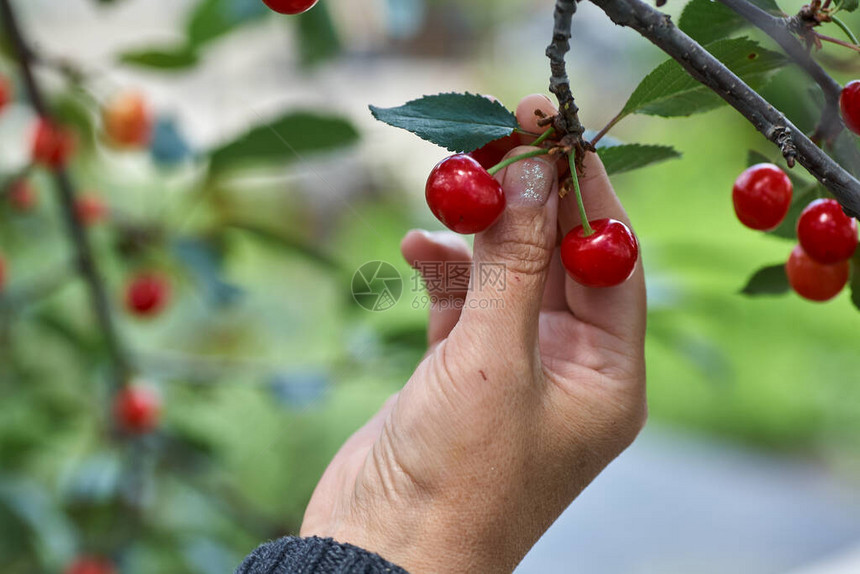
(267, 365)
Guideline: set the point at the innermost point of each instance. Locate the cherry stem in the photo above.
(543, 137)
(845, 29)
(607, 127)
(837, 41)
(586, 226)
(511, 160)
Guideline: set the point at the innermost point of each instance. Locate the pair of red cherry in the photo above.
(818, 268)
(467, 199)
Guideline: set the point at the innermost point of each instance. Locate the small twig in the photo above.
(844, 29)
(605, 130)
(85, 261)
(704, 67)
(543, 137)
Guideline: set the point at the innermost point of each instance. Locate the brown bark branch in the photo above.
(779, 29)
(559, 83)
(84, 260)
(701, 65)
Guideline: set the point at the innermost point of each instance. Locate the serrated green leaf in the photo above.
(670, 91)
(770, 280)
(284, 140)
(172, 58)
(457, 122)
(707, 21)
(317, 41)
(627, 157)
(848, 5)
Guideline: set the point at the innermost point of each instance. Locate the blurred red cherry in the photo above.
(137, 408)
(147, 294)
(290, 6)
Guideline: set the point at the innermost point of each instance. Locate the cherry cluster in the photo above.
(818, 267)
(127, 124)
(463, 194)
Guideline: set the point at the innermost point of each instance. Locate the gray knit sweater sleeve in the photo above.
(293, 555)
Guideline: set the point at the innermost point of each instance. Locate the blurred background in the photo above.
(266, 184)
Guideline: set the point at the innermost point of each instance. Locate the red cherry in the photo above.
(137, 408)
(90, 565)
(127, 120)
(90, 209)
(147, 294)
(22, 196)
(463, 196)
(492, 153)
(813, 280)
(52, 144)
(290, 6)
(5, 92)
(849, 103)
(826, 233)
(605, 258)
(762, 196)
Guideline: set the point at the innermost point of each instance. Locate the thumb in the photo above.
(512, 258)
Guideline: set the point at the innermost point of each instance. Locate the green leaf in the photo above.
(707, 21)
(457, 122)
(798, 182)
(209, 20)
(770, 280)
(277, 238)
(53, 534)
(283, 140)
(317, 40)
(171, 58)
(754, 157)
(848, 5)
(855, 279)
(802, 197)
(627, 157)
(71, 111)
(670, 91)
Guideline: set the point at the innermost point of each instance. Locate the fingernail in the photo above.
(528, 182)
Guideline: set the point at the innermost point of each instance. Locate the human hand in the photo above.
(518, 404)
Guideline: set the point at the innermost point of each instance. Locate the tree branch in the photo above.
(559, 84)
(779, 29)
(85, 262)
(701, 65)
